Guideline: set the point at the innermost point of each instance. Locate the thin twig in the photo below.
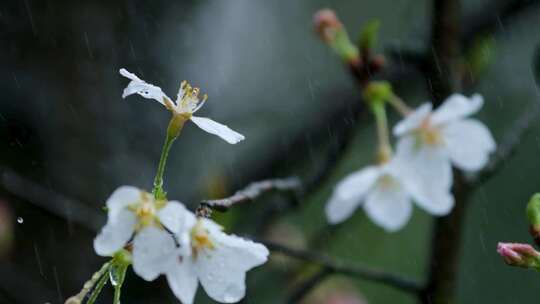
(250, 193)
(507, 146)
(354, 270)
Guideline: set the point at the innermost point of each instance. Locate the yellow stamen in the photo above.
(200, 239)
(429, 134)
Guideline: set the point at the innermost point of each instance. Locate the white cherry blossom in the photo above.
(431, 141)
(380, 190)
(217, 260)
(133, 213)
(186, 104)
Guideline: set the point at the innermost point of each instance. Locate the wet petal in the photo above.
(173, 216)
(218, 129)
(469, 143)
(348, 194)
(413, 120)
(222, 270)
(120, 199)
(182, 280)
(144, 89)
(388, 204)
(455, 107)
(115, 234)
(154, 252)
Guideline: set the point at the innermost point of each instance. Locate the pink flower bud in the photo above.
(327, 24)
(521, 255)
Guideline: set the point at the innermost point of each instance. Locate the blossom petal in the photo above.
(435, 202)
(348, 194)
(469, 143)
(413, 120)
(455, 107)
(115, 234)
(222, 270)
(389, 204)
(426, 173)
(218, 129)
(141, 87)
(173, 216)
(182, 280)
(154, 252)
(120, 199)
(427, 166)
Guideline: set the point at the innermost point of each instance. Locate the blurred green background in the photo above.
(64, 126)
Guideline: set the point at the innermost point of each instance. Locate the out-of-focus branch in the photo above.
(444, 78)
(306, 286)
(67, 208)
(251, 192)
(354, 270)
(507, 146)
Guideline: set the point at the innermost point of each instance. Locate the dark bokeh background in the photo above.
(64, 126)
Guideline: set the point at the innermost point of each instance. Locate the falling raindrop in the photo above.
(20, 220)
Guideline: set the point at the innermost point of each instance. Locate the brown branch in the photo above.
(250, 193)
(444, 79)
(354, 270)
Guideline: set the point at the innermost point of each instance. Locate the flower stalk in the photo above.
(384, 150)
(173, 131)
(95, 280)
(399, 105)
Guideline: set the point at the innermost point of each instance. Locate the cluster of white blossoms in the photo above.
(165, 238)
(429, 143)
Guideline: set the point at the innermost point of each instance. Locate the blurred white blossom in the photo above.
(380, 189)
(187, 103)
(133, 213)
(386, 201)
(431, 141)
